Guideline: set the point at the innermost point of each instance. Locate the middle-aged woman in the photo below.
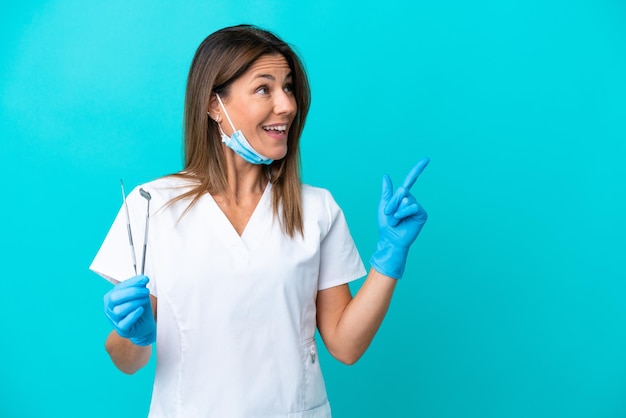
(243, 262)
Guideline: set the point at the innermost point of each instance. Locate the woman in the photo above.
(243, 262)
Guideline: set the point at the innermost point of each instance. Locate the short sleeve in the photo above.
(340, 261)
(114, 260)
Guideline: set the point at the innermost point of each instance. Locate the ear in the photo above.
(214, 107)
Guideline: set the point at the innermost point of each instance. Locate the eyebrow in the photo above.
(271, 77)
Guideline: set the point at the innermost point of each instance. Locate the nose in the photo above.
(284, 104)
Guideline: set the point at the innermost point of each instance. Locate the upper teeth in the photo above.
(276, 128)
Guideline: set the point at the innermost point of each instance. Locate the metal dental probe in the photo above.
(146, 196)
(130, 235)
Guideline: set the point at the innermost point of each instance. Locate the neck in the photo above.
(245, 180)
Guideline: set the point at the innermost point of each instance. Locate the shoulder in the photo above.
(312, 192)
(320, 204)
(316, 196)
(169, 187)
(162, 190)
(171, 182)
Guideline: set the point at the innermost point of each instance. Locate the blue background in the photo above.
(513, 304)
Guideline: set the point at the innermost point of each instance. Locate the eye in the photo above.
(262, 89)
(288, 88)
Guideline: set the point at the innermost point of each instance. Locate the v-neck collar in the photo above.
(255, 222)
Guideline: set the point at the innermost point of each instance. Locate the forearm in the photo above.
(127, 356)
(362, 317)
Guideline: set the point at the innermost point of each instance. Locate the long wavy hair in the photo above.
(219, 60)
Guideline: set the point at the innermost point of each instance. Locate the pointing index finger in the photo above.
(410, 179)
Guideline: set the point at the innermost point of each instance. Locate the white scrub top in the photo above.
(236, 315)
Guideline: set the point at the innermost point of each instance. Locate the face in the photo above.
(261, 104)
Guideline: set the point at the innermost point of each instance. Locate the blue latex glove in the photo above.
(400, 220)
(129, 309)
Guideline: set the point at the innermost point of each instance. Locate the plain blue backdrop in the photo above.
(513, 303)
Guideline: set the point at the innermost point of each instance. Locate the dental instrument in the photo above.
(146, 195)
(130, 235)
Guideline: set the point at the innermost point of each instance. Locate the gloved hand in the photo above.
(400, 220)
(129, 309)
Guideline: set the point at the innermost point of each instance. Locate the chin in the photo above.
(278, 154)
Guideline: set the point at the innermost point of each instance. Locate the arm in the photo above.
(127, 356)
(132, 312)
(348, 325)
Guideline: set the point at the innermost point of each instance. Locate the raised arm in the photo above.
(346, 324)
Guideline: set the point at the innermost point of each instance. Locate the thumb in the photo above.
(135, 281)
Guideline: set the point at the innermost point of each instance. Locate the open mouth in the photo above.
(279, 129)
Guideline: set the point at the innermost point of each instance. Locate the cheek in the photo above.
(295, 108)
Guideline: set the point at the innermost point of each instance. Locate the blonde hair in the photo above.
(219, 60)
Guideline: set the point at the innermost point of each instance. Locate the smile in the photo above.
(280, 129)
